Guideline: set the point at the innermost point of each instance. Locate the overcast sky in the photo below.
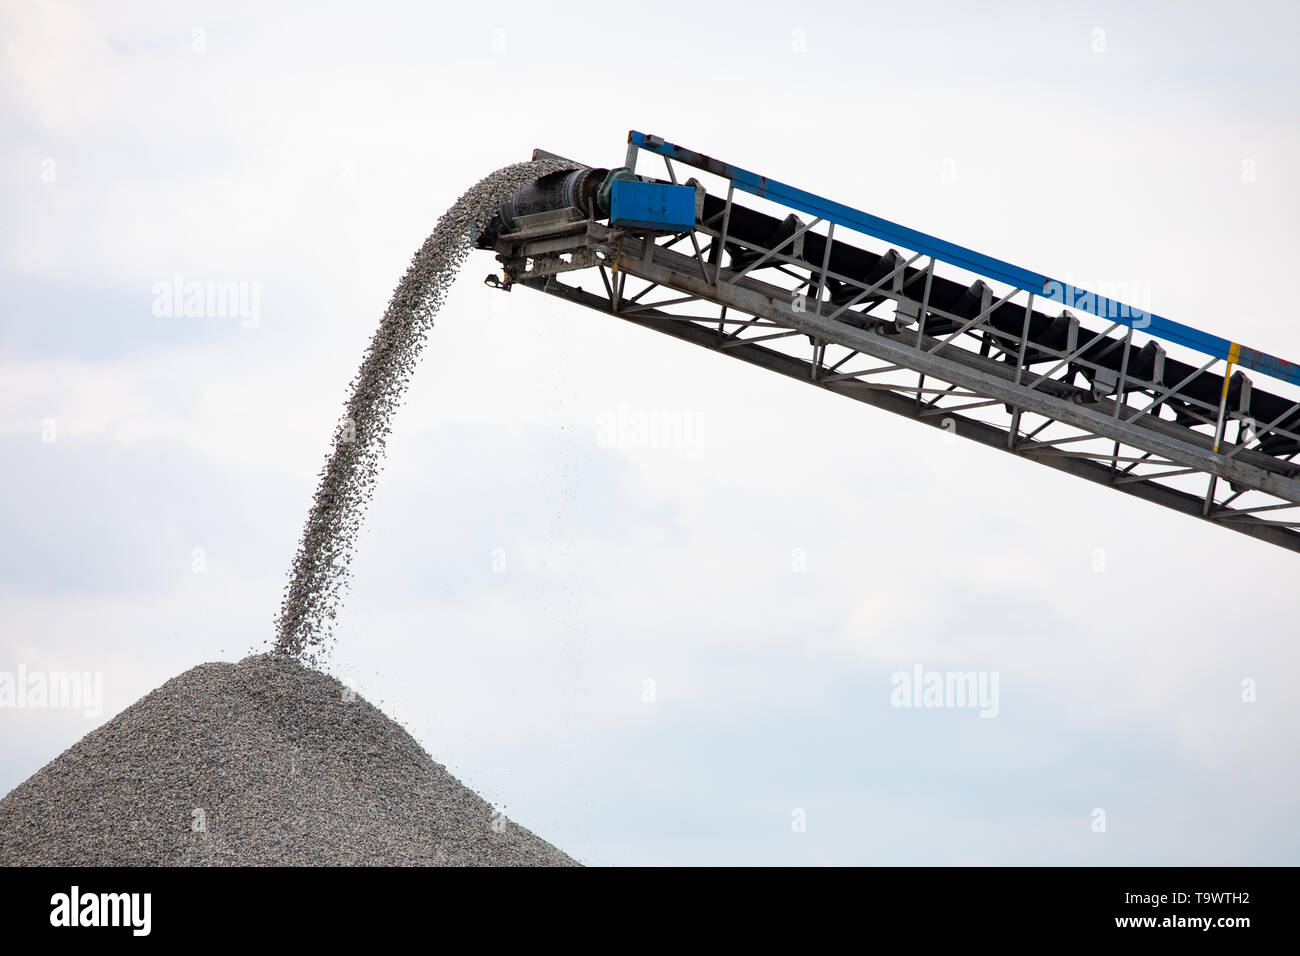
(770, 572)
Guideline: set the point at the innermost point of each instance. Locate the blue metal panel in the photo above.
(656, 206)
(972, 261)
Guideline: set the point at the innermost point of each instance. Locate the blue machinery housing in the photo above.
(1191, 432)
(654, 207)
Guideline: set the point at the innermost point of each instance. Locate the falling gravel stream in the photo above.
(320, 571)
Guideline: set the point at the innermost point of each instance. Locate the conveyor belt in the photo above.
(747, 226)
(1098, 389)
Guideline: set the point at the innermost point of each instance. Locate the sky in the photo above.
(678, 652)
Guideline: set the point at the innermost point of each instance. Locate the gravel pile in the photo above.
(320, 568)
(259, 763)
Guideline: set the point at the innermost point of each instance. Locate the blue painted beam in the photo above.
(987, 266)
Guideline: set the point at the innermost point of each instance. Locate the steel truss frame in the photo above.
(970, 379)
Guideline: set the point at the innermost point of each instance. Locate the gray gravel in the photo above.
(320, 568)
(259, 763)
